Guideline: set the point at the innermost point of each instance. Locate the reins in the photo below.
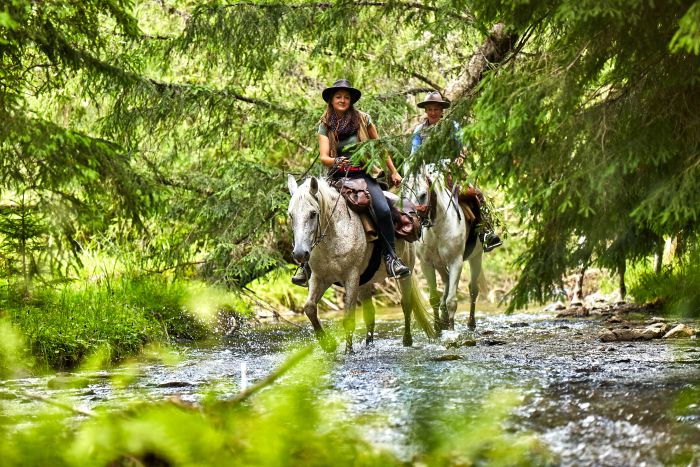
(320, 237)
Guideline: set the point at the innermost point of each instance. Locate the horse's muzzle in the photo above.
(301, 255)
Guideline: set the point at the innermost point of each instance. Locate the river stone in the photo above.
(446, 358)
(556, 306)
(680, 331)
(656, 319)
(67, 381)
(576, 312)
(653, 331)
(460, 343)
(614, 319)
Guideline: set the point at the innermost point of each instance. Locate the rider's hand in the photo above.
(342, 163)
(459, 161)
(396, 179)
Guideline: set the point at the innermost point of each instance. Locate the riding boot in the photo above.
(489, 239)
(301, 278)
(395, 267)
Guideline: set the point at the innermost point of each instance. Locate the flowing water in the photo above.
(590, 403)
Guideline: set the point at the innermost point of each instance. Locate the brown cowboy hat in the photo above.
(434, 98)
(338, 85)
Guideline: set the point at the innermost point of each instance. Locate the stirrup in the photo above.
(396, 268)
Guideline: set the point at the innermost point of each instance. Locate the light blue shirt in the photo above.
(419, 134)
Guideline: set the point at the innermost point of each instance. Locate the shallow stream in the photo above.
(590, 403)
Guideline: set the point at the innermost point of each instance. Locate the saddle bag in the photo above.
(355, 192)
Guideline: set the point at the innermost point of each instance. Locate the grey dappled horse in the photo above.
(441, 247)
(331, 238)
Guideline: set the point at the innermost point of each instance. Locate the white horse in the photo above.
(331, 238)
(442, 246)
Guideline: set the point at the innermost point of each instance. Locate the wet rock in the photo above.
(656, 330)
(574, 312)
(65, 381)
(656, 319)
(492, 342)
(466, 342)
(556, 306)
(446, 358)
(519, 325)
(681, 330)
(653, 331)
(175, 384)
(614, 319)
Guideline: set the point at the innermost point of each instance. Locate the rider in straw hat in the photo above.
(435, 106)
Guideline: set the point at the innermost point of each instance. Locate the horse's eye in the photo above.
(312, 215)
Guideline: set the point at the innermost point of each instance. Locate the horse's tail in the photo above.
(483, 283)
(420, 309)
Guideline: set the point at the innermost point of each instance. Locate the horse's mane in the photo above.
(327, 198)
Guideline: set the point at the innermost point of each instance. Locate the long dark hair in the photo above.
(330, 111)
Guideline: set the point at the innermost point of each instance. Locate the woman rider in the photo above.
(341, 127)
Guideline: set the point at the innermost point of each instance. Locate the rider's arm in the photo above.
(393, 173)
(324, 146)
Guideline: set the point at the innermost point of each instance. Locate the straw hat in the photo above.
(434, 98)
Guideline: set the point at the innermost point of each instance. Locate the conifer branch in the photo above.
(328, 5)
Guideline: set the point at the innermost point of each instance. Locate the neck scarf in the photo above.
(344, 126)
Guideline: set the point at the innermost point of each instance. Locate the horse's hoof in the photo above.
(471, 325)
(369, 340)
(407, 341)
(451, 324)
(349, 350)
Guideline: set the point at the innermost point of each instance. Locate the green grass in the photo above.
(63, 326)
(677, 287)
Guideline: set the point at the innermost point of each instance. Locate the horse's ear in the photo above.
(291, 184)
(314, 186)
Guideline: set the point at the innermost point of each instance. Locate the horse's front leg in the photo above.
(368, 312)
(406, 286)
(429, 273)
(444, 314)
(455, 270)
(475, 273)
(316, 290)
(351, 294)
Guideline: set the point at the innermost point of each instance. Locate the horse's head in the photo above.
(304, 214)
(418, 187)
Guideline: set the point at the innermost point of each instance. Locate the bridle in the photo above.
(426, 212)
(321, 234)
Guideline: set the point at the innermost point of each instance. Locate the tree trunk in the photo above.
(488, 55)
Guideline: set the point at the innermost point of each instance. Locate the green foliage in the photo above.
(677, 287)
(12, 351)
(163, 130)
(284, 424)
(592, 132)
